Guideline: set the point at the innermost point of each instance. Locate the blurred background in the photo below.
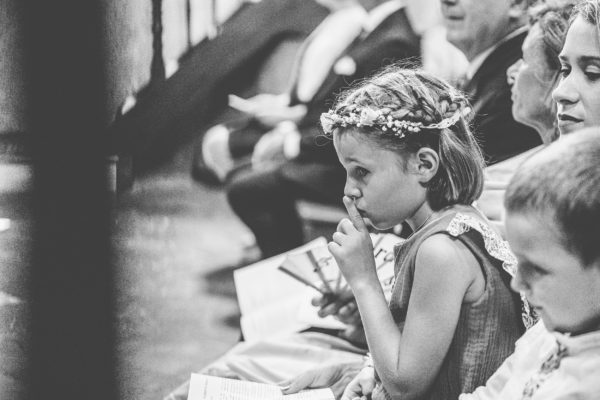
(173, 243)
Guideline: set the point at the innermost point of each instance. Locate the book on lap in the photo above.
(204, 387)
(273, 303)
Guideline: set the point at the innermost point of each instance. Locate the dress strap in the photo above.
(497, 248)
(494, 244)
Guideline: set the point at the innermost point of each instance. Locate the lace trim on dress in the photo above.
(497, 248)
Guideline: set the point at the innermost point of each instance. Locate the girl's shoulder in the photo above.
(472, 228)
(475, 229)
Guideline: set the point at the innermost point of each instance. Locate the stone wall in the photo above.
(11, 79)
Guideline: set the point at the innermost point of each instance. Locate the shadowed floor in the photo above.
(177, 309)
(174, 244)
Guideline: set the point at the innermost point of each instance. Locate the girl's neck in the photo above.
(421, 217)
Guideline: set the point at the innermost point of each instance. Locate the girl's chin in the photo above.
(379, 225)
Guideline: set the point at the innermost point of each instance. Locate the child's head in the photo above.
(418, 122)
(553, 226)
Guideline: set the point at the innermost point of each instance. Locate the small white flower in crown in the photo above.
(384, 121)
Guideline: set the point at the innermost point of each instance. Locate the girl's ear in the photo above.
(428, 162)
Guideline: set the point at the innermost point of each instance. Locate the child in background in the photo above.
(404, 141)
(553, 226)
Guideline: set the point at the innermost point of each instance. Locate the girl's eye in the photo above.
(360, 172)
(564, 71)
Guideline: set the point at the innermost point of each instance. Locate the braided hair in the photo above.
(418, 97)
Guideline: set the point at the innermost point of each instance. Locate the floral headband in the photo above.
(382, 119)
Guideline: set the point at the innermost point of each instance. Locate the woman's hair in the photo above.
(589, 10)
(419, 100)
(553, 19)
(559, 185)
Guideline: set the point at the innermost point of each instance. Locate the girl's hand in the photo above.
(361, 386)
(352, 247)
(341, 305)
(336, 377)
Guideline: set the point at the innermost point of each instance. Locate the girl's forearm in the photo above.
(382, 333)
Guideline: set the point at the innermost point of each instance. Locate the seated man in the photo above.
(263, 194)
(228, 145)
(171, 111)
(490, 33)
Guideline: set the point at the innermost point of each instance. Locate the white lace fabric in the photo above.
(497, 248)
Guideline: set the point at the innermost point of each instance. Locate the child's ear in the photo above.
(428, 163)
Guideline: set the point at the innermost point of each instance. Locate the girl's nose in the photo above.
(351, 190)
(513, 71)
(565, 92)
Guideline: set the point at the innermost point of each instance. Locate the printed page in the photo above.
(313, 394)
(203, 387)
(261, 284)
(277, 318)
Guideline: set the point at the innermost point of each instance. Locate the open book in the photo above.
(317, 268)
(204, 387)
(272, 303)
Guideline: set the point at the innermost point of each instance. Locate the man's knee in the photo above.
(215, 151)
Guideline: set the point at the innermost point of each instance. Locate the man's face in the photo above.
(475, 25)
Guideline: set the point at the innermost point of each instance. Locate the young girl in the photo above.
(409, 155)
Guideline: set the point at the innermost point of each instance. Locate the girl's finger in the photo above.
(334, 249)
(355, 216)
(345, 226)
(319, 301)
(337, 237)
(329, 309)
(347, 310)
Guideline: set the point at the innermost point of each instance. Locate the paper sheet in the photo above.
(203, 387)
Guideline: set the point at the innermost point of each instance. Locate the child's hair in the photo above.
(562, 184)
(404, 110)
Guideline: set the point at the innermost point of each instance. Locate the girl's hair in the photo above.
(418, 98)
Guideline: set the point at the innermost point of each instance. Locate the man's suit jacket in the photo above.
(499, 135)
(317, 168)
(392, 41)
(179, 107)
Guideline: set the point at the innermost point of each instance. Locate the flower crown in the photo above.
(383, 119)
